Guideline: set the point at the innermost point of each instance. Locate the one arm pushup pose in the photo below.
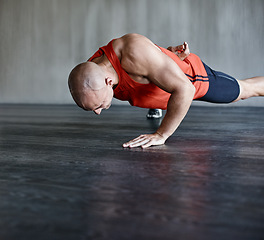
(134, 69)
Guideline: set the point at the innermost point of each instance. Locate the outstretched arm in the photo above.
(166, 74)
(178, 106)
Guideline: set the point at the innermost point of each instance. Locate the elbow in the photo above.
(183, 96)
(188, 90)
(192, 90)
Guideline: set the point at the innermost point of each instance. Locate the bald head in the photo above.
(84, 79)
(87, 75)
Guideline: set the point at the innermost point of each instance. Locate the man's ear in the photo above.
(109, 81)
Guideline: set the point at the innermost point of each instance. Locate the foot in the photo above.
(154, 113)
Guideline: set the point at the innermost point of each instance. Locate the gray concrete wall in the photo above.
(40, 41)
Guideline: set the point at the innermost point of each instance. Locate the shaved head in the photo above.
(86, 75)
(84, 80)
(91, 86)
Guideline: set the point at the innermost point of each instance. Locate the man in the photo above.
(133, 68)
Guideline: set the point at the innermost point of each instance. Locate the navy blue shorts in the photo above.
(222, 87)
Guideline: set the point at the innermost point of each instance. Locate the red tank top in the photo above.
(149, 95)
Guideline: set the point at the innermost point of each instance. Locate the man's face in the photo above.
(106, 100)
(98, 100)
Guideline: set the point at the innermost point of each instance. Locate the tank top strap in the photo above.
(112, 57)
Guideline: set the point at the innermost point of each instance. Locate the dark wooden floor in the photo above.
(64, 175)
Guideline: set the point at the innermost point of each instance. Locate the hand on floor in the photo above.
(146, 140)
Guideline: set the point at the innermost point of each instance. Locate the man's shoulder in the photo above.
(136, 52)
(133, 38)
(132, 44)
(128, 49)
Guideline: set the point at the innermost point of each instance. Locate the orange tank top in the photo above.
(149, 95)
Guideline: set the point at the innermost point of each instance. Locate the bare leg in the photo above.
(251, 87)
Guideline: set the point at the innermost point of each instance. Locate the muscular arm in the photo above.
(148, 60)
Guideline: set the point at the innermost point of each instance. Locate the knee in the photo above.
(246, 90)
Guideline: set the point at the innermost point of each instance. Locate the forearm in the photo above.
(178, 106)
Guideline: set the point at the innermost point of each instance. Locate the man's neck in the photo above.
(108, 68)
